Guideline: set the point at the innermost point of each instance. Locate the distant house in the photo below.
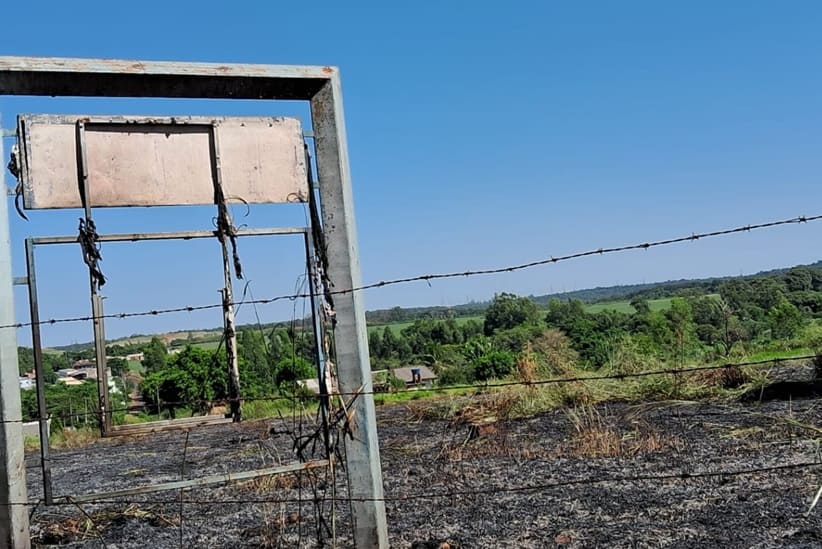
(83, 363)
(90, 372)
(313, 384)
(415, 376)
(136, 356)
(69, 381)
(76, 376)
(71, 373)
(31, 429)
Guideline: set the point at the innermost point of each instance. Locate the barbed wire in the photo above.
(439, 276)
(617, 376)
(672, 476)
(680, 476)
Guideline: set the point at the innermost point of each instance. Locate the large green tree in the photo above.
(594, 335)
(292, 369)
(509, 311)
(680, 320)
(193, 378)
(25, 359)
(256, 370)
(785, 320)
(154, 355)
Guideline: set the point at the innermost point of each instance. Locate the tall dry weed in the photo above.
(596, 436)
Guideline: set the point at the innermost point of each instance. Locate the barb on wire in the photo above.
(439, 276)
(599, 251)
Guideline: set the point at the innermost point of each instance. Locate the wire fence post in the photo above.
(14, 519)
(365, 483)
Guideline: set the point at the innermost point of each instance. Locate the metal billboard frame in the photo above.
(321, 87)
(104, 410)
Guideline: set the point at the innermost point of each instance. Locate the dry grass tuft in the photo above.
(90, 527)
(477, 408)
(731, 377)
(554, 354)
(271, 533)
(269, 484)
(74, 438)
(596, 436)
(441, 407)
(593, 436)
(527, 366)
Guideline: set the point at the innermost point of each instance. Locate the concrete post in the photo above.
(14, 518)
(353, 363)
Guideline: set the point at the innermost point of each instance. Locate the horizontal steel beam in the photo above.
(166, 425)
(122, 78)
(12, 132)
(204, 481)
(179, 235)
(20, 280)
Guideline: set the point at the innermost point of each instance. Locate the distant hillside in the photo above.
(653, 290)
(401, 314)
(656, 290)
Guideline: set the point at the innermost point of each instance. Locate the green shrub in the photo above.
(494, 365)
(457, 375)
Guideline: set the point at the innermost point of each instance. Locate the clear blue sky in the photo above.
(480, 134)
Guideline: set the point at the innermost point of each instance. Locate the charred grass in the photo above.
(525, 466)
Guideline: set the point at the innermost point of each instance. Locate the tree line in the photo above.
(270, 364)
(726, 319)
(738, 317)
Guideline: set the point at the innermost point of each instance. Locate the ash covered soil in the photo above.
(587, 472)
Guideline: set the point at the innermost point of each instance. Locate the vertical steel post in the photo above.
(37, 345)
(231, 343)
(102, 366)
(319, 338)
(14, 517)
(353, 363)
(230, 333)
(96, 300)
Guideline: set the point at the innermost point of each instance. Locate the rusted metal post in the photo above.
(319, 339)
(231, 345)
(353, 363)
(104, 408)
(101, 363)
(36, 343)
(14, 517)
(224, 225)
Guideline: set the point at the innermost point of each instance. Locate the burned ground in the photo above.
(580, 478)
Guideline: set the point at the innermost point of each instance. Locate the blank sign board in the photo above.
(150, 161)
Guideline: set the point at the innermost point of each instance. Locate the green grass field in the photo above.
(776, 355)
(400, 326)
(625, 306)
(135, 366)
(211, 345)
(620, 306)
